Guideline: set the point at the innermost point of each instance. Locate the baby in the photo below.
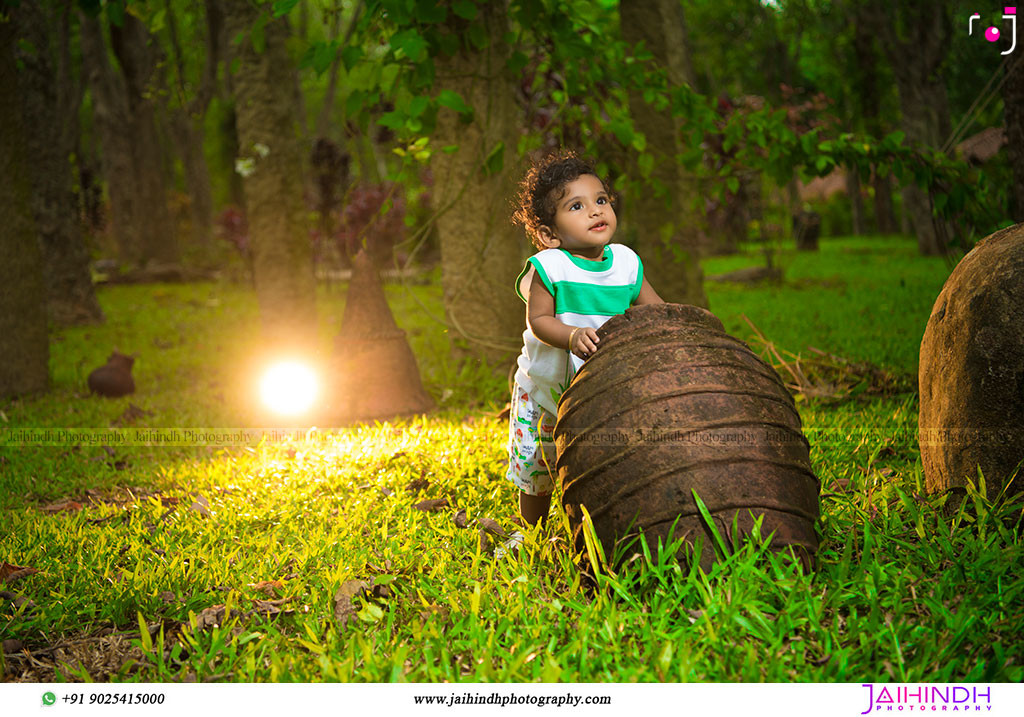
(576, 282)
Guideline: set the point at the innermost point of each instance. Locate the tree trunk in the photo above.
(139, 57)
(188, 136)
(481, 252)
(658, 217)
(1013, 112)
(110, 114)
(925, 119)
(916, 37)
(869, 106)
(268, 132)
(48, 105)
(24, 346)
(856, 201)
(885, 216)
(186, 121)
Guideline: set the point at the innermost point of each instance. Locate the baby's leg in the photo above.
(530, 442)
(534, 508)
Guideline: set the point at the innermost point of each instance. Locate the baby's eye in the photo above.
(602, 200)
(575, 205)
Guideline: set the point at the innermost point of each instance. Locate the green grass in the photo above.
(904, 591)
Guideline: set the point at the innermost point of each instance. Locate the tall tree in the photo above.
(481, 253)
(272, 155)
(660, 222)
(124, 107)
(23, 340)
(916, 38)
(49, 106)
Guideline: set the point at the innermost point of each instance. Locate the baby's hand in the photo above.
(583, 342)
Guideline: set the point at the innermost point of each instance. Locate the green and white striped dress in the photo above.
(587, 293)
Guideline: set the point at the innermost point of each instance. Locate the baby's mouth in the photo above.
(599, 226)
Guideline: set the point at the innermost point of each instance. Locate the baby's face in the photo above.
(584, 219)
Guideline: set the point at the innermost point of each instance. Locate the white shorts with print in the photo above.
(531, 446)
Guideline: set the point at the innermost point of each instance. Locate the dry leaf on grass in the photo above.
(12, 646)
(268, 608)
(60, 506)
(431, 504)
(485, 541)
(201, 506)
(12, 573)
(492, 527)
(18, 600)
(343, 608)
(417, 485)
(460, 518)
(267, 587)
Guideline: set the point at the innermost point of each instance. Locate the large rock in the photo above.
(972, 370)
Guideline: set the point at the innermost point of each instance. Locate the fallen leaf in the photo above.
(12, 573)
(460, 518)
(381, 589)
(266, 608)
(417, 485)
(485, 541)
(343, 609)
(210, 617)
(18, 600)
(201, 506)
(168, 597)
(431, 504)
(387, 492)
(492, 527)
(98, 521)
(67, 504)
(12, 646)
(267, 587)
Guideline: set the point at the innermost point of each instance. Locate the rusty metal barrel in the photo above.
(670, 405)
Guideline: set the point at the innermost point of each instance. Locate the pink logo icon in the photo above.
(992, 34)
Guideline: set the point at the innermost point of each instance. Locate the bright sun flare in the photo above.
(289, 387)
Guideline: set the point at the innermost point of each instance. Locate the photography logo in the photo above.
(992, 34)
(928, 698)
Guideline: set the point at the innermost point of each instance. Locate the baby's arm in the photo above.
(540, 316)
(647, 295)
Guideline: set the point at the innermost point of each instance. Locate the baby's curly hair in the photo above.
(542, 188)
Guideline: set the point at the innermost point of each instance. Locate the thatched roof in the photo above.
(983, 146)
(823, 188)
